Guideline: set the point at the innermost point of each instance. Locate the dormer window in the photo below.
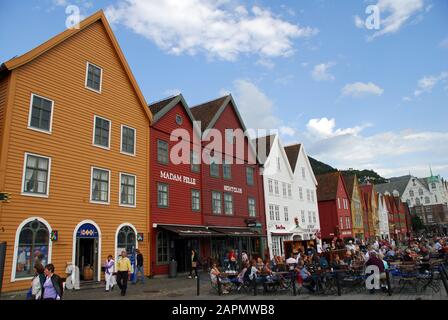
(94, 77)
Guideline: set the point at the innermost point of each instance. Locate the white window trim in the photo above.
(126, 224)
(16, 246)
(121, 141)
(110, 133)
(30, 113)
(91, 184)
(30, 194)
(87, 74)
(135, 191)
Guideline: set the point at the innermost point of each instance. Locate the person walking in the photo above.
(123, 268)
(139, 268)
(52, 288)
(36, 283)
(194, 265)
(109, 267)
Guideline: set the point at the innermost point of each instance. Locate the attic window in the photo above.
(93, 77)
(179, 119)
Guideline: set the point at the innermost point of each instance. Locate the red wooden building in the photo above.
(334, 206)
(232, 193)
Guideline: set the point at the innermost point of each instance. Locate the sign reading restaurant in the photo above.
(177, 177)
(233, 189)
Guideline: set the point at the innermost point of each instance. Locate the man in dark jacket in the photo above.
(139, 267)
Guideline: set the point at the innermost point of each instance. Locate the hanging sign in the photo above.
(87, 230)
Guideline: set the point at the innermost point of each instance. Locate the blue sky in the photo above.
(355, 97)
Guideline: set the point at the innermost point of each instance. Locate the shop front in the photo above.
(87, 250)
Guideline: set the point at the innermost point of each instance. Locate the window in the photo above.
(162, 195)
(341, 223)
(427, 201)
(276, 187)
(33, 237)
(433, 185)
(275, 246)
(127, 189)
(310, 218)
(41, 114)
(214, 169)
(300, 193)
(284, 189)
(252, 209)
(179, 119)
(417, 201)
(195, 200)
(162, 248)
(127, 140)
(277, 213)
(271, 212)
(347, 222)
(430, 218)
(101, 136)
(270, 186)
(303, 216)
(285, 211)
(289, 191)
(228, 204)
(420, 192)
(194, 161)
(250, 176)
(93, 77)
(411, 193)
(226, 171)
(435, 198)
(303, 173)
(339, 203)
(308, 195)
(100, 185)
(36, 176)
(229, 136)
(162, 152)
(278, 163)
(314, 218)
(312, 195)
(216, 202)
(127, 239)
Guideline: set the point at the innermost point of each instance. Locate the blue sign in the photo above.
(87, 230)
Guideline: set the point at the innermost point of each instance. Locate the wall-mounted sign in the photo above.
(87, 230)
(177, 177)
(280, 227)
(233, 189)
(54, 235)
(139, 236)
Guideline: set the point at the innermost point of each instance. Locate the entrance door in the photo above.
(86, 255)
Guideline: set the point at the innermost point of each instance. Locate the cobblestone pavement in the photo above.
(182, 288)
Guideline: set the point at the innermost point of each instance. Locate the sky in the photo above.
(358, 90)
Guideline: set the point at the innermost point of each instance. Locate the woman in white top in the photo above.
(109, 267)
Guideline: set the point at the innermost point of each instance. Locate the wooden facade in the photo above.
(57, 71)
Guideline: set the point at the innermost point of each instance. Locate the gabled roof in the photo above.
(61, 37)
(349, 180)
(264, 145)
(162, 107)
(327, 186)
(207, 112)
(398, 183)
(293, 154)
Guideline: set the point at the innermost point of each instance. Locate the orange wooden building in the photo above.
(74, 155)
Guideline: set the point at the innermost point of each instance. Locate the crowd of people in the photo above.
(332, 256)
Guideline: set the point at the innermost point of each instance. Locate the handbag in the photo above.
(194, 264)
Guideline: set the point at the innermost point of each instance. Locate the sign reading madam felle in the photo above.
(177, 177)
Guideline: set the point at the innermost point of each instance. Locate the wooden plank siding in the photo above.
(59, 74)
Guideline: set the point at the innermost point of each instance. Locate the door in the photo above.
(86, 258)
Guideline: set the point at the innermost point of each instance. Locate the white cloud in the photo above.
(407, 99)
(359, 23)
(268, 64)
(325, 128)
(360, 89)
(172, 92)
(444, 43)
(217, 28)
(287, 131)
(427, 83)
(320, 72)
(399, 13)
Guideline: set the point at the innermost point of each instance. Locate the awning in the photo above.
(190, 231)
(237, 232)
(281, 233)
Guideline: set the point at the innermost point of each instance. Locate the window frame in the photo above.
(194, 167)
(91, 185)
(220, 205)
(50, 130)
(218, 173)
(252, 170)
(94, 129)
(192, 197)
(249, 199)
(228, 194)
(87, 76)
(168, 152)
(167, 240)
(135, 190)
(167, 195)
(229, 166)
(31, 194)
(121, 141)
